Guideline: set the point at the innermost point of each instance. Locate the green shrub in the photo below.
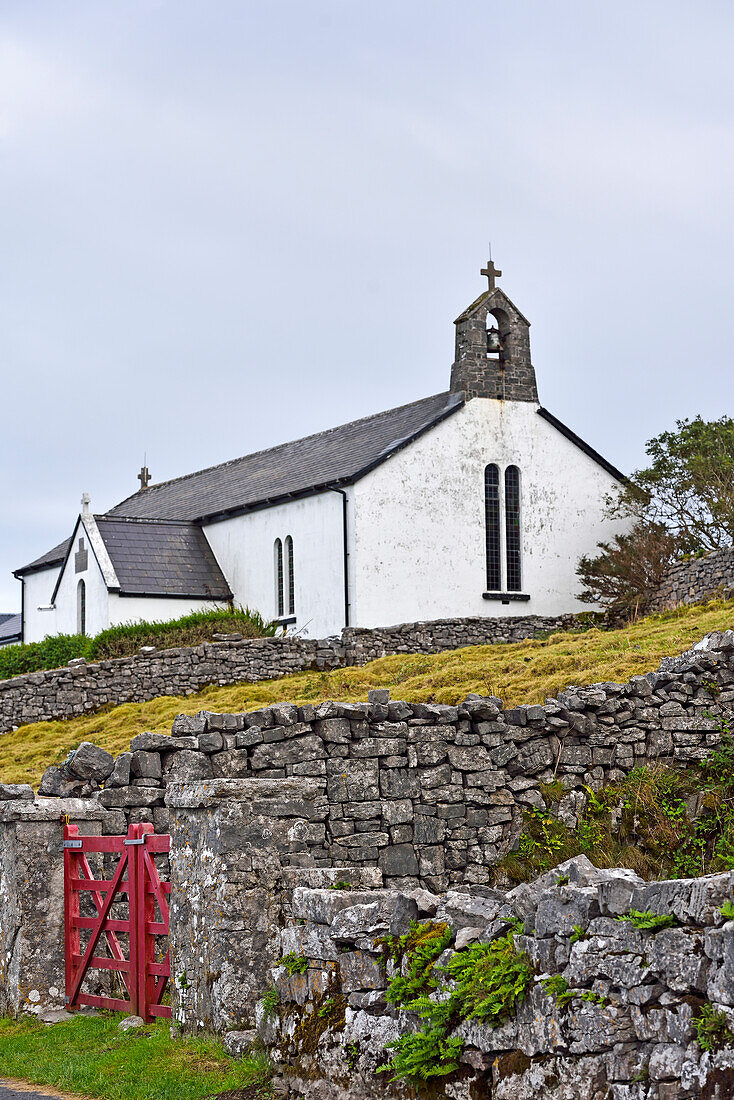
(122, 641)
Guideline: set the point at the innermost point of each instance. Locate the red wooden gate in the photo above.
(144, 978)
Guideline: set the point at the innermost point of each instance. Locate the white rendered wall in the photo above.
(244, 548)
(37, 590)
(131, 609)
(419, 526)
(97, 596)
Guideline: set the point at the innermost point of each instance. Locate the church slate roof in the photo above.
(10, 628)
(337, 456)
(153, 558)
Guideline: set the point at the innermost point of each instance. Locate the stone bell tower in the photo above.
(493, 348)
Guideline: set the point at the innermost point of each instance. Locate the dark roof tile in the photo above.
(162, 559)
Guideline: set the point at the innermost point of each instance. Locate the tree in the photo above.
(626, 574)
(689, 484)
(681, 503)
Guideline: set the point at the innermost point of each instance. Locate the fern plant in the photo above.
(421, 1055)
(727, 910)
(712, 1028)
(294, 964)
(647, 921)
(559, 989)
(490, 979)
(423, 945)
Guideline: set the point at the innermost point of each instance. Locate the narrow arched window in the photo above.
(492, 526)
(512, 529)
(291, 579)
(81, 608)
(279, 602)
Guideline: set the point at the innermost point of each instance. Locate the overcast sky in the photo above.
(225, 225)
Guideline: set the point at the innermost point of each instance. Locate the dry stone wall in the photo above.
(432, 795)
(697, 580)
(82, 688)
(625, 1029)
(265, 947)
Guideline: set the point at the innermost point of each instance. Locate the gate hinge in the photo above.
(73, 843)
(140, 840)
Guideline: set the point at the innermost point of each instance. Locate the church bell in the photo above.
(493, 341)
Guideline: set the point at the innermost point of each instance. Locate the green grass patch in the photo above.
(126, 639)
(90, 1056)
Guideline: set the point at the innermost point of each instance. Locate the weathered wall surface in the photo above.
(627, 1031)
(32, 894)
(625, 1028)
(696, 581)
(431, 794)
(82, 688)
(435, 564)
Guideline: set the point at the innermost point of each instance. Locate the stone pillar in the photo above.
(32, 895)
(230, 839)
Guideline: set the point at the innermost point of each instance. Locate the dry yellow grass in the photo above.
(526, 672)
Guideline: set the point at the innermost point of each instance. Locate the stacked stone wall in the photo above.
(432, 795)
(83, 688)
(696, 581)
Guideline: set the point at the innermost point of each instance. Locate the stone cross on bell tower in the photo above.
(493, 347)
(492, 274)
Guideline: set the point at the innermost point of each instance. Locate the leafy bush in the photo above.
(121, 641)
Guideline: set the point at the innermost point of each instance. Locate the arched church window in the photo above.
(492, 526)
(81, 608)
(279, 601)
(512, 528)
(291, 578)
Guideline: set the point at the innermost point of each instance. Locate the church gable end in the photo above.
(493, 348)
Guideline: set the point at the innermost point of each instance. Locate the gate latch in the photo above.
(138, 840)
(73, 843)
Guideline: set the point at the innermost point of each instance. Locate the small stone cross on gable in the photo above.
(492, 273)
(144, 477)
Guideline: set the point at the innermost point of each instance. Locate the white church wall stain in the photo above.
(37, 592)
(434, 566)
(243, 546)
(96, 597)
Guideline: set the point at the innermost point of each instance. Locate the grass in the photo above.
(526, 672)
(126, 639)
(90, 1056)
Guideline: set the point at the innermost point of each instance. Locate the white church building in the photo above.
(476, 501)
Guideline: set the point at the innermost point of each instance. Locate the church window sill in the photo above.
(506, 597)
